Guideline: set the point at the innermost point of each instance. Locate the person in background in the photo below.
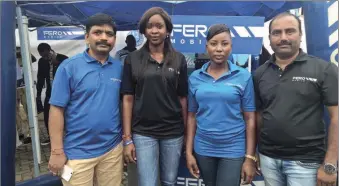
(47, 67)
(292, 88)
(131, 44)
(221, 129)
(21, 104)
(84, 123)
(154, 89)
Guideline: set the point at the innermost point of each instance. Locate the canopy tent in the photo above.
(127, 14)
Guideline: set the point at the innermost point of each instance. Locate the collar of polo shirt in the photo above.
(231, 67)
(145, 52)
(90, 59)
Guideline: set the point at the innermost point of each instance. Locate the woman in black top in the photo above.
(154, 89)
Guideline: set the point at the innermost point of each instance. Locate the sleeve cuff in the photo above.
(249, 109)
(57, 103)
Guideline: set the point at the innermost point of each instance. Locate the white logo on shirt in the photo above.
(234, 85)
(172, 70)
(304, 79)
(115, 80)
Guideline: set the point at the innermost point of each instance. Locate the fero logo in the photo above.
(60, 33)
(190, 30)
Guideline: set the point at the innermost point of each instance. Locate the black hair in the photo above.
(283, 15)
(130, 39)
(217, 29)
(43, 47)
(170, 57)
(100, 19)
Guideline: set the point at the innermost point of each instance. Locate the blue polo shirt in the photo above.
(89, 93)
(218, 104)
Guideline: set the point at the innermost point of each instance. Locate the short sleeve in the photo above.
(127, 84)
(192, 102)
(61, 88)
(183, 79)
(329, 88)
(248, 98)
(258, 101)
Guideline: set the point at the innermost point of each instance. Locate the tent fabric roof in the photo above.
(128, 13)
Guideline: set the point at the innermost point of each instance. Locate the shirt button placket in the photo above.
(101, 74)
(280, 72)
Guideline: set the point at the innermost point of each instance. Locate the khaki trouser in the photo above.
(106, 170)
(21, 113)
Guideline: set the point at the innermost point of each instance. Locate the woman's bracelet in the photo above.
(251, 157)
(125, 143)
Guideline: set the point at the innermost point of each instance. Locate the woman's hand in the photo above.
(248, 171)
(192, 165)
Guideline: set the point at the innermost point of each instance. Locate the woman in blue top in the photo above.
(221, 117)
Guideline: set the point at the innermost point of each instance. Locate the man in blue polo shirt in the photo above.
(84, 115)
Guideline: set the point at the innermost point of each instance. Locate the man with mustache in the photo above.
(292, 89)
(84, 125)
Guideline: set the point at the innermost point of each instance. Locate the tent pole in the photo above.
(31, 104)
(7, 93)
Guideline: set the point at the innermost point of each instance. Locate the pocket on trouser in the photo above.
(308, 165)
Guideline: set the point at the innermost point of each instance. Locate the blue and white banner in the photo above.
(322, 29)
(322, 33)
(189, 33)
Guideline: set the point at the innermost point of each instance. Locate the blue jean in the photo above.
(218, 171)
(150, 152)
(278, 172)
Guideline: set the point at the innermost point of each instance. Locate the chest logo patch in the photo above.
(115, 80)
(172, 70)
(304, 79)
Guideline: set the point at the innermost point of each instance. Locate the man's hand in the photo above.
(129, 154)
(324, 179)
(56, 163)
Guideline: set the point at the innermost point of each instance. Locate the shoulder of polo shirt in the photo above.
(317, 60)
(260, 70)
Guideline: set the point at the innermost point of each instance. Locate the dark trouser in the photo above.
(220, 171)
(46, 113)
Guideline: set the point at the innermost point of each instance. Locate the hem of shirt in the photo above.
(159, 137)
(57, 103)
(331, 104)
(249, 109)
(214, 155)
(314, 160)
(182, 95)
(127, 93)
(70, 157)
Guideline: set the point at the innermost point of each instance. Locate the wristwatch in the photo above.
(330, 169)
